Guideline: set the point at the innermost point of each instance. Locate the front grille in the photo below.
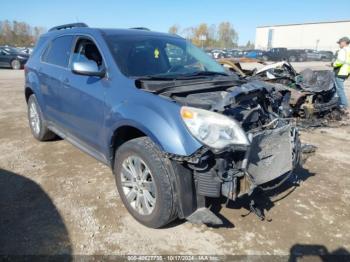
(208, 184)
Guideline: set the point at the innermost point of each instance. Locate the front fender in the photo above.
(160, 121)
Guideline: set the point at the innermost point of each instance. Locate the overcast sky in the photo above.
(160, 15)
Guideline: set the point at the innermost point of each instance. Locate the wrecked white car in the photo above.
(313, 92)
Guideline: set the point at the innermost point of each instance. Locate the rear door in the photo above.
(83, 98)
(52, 71)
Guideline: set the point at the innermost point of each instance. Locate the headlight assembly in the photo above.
(212, 129)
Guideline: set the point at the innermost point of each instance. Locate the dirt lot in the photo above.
(56, 199)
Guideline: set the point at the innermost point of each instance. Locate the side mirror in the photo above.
(88, 68)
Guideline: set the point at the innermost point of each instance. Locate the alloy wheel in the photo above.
(34, 118)
(138, 185)
(16, 64)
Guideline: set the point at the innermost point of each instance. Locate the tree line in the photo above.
(223, 36)
(15, 33)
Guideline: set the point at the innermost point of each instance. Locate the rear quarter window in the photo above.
(58, 51)
(39, 45)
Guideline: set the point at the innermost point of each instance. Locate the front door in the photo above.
(83, 97)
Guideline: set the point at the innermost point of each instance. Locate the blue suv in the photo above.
(173, 125)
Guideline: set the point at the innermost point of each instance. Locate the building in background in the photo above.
(319, 36)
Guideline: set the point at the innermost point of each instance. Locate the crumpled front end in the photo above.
(236, 170)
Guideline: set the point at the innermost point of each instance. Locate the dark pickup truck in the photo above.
(279, 54)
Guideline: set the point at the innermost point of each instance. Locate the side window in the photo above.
(85, 50)
(58, 51)
(175, 54)
(38, 45)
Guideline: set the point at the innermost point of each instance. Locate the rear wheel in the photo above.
(143, 180)
(37, 123)
(15, 64)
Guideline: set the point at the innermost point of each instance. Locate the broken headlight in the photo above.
(212, 129)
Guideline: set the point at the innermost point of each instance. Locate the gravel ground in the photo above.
(55, 199)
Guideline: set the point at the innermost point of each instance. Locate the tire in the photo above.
(301, 59)
(149, 213)
(37, 122)
(292, 59)
(15, 64)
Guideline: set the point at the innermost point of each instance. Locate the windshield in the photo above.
(165, 56)
(11, 49)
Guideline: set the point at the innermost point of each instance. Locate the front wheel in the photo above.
(142, 176)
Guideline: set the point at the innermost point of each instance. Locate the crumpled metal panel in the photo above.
(270, 154)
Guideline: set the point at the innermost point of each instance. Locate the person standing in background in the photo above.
(342, 70)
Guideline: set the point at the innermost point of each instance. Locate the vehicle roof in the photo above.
(9, 48)
(107, 31)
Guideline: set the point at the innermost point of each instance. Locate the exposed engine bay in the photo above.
(261, 110)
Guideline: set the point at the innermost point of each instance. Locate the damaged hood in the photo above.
(216, 100)
(253, 103)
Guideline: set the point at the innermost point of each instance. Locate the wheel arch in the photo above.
(28, 92)
(123, 134)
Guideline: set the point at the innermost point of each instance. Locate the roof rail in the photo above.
(68, 26)
(141, 28)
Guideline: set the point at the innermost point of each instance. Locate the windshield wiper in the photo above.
(206, 73)
(156, 77)
(198, 74)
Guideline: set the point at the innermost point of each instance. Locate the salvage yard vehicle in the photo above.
(12, 57)
(327, 55)
(257, 54)
(174, 131)
(281, 53)
(313, 55)
(312, 92)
